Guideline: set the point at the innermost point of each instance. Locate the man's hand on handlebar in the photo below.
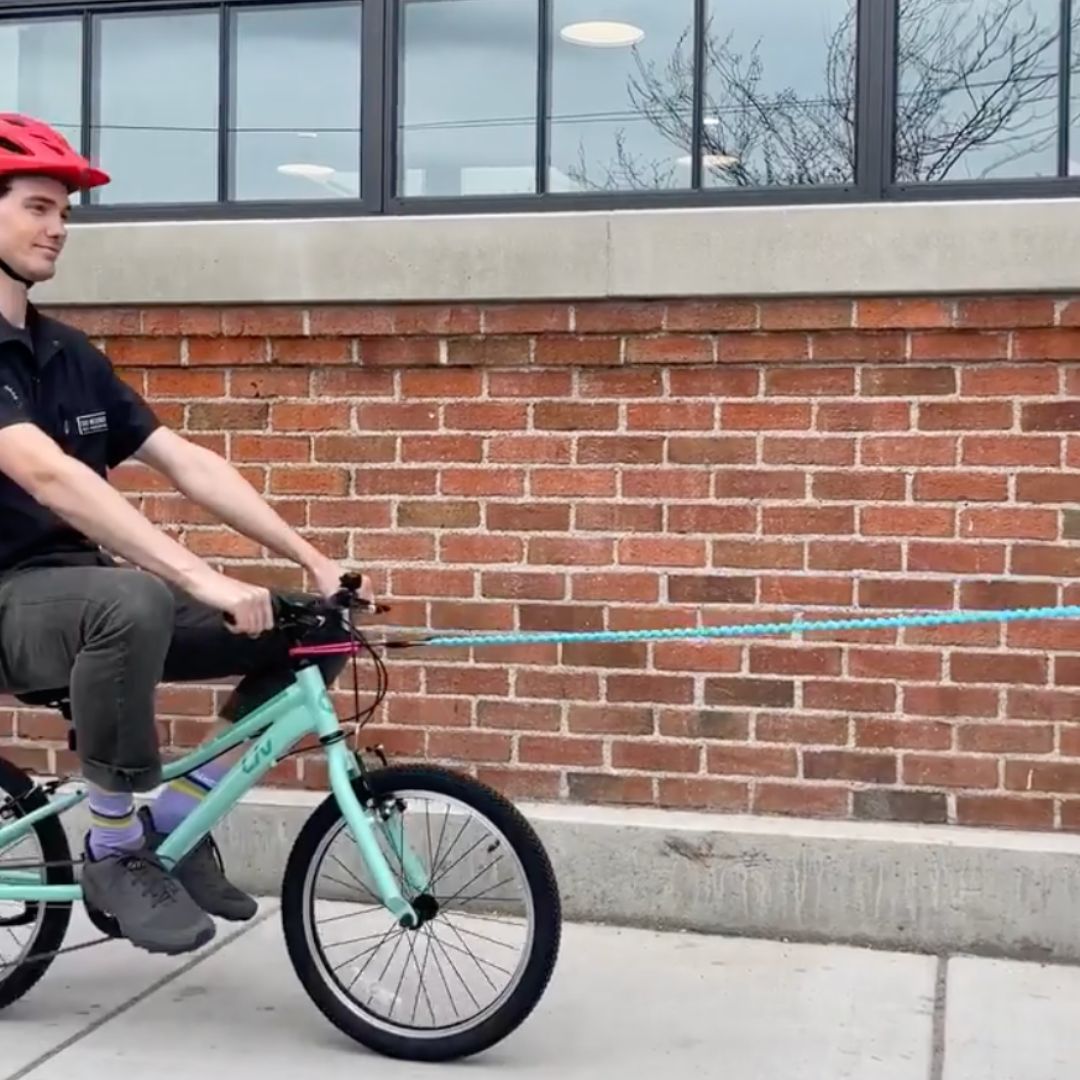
(248, 609)
(328, 577)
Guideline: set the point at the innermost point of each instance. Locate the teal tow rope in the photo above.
(751, 629)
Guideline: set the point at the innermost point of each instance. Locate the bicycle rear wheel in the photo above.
(33, 932)
(485, 952)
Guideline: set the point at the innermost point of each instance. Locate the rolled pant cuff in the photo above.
(114, 779)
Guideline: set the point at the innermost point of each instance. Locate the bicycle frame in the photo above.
(304, 708)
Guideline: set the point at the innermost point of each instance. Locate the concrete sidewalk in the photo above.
(625, 1003)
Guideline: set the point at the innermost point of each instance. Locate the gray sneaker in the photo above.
(203, 878)
(150, 906)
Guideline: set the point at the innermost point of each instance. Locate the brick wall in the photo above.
(614, 465)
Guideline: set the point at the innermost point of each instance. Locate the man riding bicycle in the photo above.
(71, 615)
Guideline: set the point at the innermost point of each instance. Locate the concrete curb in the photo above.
(936, 889)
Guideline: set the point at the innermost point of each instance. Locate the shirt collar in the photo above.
(44, 334)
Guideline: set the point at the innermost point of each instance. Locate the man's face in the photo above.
(33, 226)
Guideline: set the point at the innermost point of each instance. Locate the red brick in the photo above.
(391, 416)
(685, 450)
(960, 487)
(707, 518)
(1047, 488)
(1007, 738)
(868, 486)
(310, 351)
(466, 448)
(1045, 560)
(759, 554)
(309, 416)
(395, 481)
(850, 695)
(752, 760)
(670, 689)
(560, 751)
(610, 719)
(909, 450)
(530, 449)
(810, 382)
(1050, 416)
(437, 319)
(1004, 811)
(722, 724)
(997, 668)
(627, 588)
(228, 350)
(574, 351)
(806, 590)
(802, 730)
(959, 345)
(793, 660)
(849, 765)
(530, 384)
(441, 383)
(368, 515)
(618, 517)
(1053, 344)
(1011, 382)
(309, 481)
(762, 693)
(894, 664)
(667, 416)
(398, 351)
(523, 586)
(143, 352)
(546, 483)
(468, 746)
(233, 416)
(713, 315)
(1044, 634)
(1011, 450)
(99, 322)
(864, 416)
(542, 517)
(708, 656)
(957, 558)
(570, 551)
(897, 805)
(669, 349)
(903, 734)
(525, 318)
(716, 383)
(622, 383)
(902, 314)
(950, 701)
(562, 416)
(858, 345)
(965, 416)
(1010, 524)
(853, 555)
(354, 448)
(481, 549)
(352, 319)
(570, 617)
(669, 484)
(185, 383)
(620, 450)
(907, 381)
(907, 521)
(710, 589)
(1042, 776)
(801, 800)
(904, 593)
(655, 756)
(394, 545)
(517, 716)
(521, 783)
(669, 551)
(816, 450)
(483, 481)
(432, 583)
(951, 771)
(765, 417)
(763, 348)
(486, 416)
(703, 794)
(608, 316)
(806, 314)
(1005, 313)
(270, 448)
(602, 788)
(558, 685)
(808, 520)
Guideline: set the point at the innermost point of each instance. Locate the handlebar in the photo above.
(291, 613)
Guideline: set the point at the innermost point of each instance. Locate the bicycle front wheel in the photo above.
(478, 964)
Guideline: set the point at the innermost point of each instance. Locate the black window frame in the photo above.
(877, 76)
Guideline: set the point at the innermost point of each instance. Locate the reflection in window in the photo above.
(155, 112)
(295, 130)
(467, 109)
(978, 89)
(780, 93)
(41, 73)
(621, 94)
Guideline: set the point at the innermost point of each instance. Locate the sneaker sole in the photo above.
(176, 948)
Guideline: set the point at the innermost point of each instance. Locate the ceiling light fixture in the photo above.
(599, 34)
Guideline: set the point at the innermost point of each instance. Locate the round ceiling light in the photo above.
(306, 170)
(602, 35)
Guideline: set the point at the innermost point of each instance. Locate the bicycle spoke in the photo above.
(438, 843)
(476, 876)
(354, 915)
(354, 941)
(435, 869)
(432, 951)
(473, 933)
(361, 953)
(355, 878)
(455, 863)
(480, 896)
(423, 986)
(472, 956)
(450, 961)
(401, 981)
(386, 968)
(373, 954)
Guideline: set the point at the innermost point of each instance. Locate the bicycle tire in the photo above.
(52, 927)
(298, 905)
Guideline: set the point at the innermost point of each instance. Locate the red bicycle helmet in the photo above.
(29, 147)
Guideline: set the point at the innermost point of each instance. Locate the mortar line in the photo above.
(937, 1049)
(140, 997)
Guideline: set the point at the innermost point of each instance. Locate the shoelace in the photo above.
(154, 881)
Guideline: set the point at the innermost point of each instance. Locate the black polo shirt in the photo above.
(52, 376)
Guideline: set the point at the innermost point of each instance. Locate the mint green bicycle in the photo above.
(419, 907)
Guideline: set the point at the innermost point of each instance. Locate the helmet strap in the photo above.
(15, 276)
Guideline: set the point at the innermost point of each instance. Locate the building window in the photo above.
(978, 89)
(467, 97)
(294, 130)
(41, 72)
(153, 123)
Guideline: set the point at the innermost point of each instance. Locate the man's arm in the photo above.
(214, 484)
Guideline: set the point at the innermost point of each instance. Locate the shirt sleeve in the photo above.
(131, 420)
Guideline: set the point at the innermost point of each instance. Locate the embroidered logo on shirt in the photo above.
(92, 423)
